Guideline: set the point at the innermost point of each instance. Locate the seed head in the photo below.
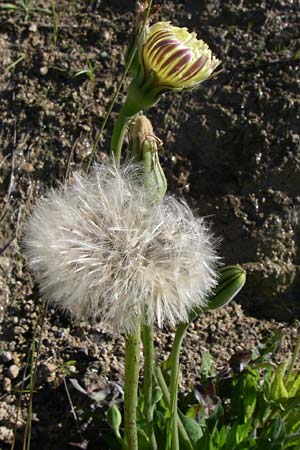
(101, 251)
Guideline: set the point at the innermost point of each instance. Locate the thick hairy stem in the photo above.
(148, 380)
(132, 367)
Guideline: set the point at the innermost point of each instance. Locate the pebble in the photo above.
(7, 385)
(72, 369)
(48, 372)
(5, 263)
(13, 371)
(6, 357)
(33, 27)
(6, 435)
(19, 330)
(106, 35)
(44, 70)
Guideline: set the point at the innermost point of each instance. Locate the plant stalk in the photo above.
(132, 367)
(174, 364)
(114, 97)
(118, 136)
(148, 381)
(166, 395)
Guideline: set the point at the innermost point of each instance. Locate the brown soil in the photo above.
(231, 148)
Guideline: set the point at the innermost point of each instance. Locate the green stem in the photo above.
(120, 84)
(174, 363)
(132, 367)
(118, 136)
(148, 380)
(166, 394)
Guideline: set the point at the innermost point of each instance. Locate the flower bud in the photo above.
(170, 58)
(145, 147)
(178, 59)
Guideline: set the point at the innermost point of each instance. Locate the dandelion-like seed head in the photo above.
(102, 252)
(178, 59)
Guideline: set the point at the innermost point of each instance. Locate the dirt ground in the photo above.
(231, 148)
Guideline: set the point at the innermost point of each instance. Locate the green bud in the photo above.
(144, 146)
(114, 419)
(232, 279)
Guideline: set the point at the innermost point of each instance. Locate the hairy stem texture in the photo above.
(148, 381)
(132, 366)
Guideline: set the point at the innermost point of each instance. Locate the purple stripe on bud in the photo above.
(157, 36)
(163, 43)
(180, 65)
(163, 52)
(195, 67)
(172, 59)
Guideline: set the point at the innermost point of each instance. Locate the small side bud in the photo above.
(232, 279)
(144, 147)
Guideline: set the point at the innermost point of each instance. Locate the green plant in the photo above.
(55, 22)
(254, 406)
(130, 257)
(89, 71)
(27, 7)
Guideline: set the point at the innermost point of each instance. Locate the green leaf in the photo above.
(237, 436)
(278, 389)
(242, 432)
(276, 434)
(143, 441)
(192, 427)
(292, 421)
(9, 6)
(193, 411)
(269, 347)
(293, 383)
(207, 368)
(250, 388)
(157, 394)
(114, 419)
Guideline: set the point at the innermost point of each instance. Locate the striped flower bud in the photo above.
(170, 58)
(178, 59)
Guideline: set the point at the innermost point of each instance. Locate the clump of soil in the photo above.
(231, 148)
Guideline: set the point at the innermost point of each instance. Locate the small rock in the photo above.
(44, 70)
(48, 372)
(6, 435)
(33, 27)
(6, 357)
(105, 34)
(19, 330)
(13, 371)
(7, 385)
(72, 369)
(5, 263)
(3, 411)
